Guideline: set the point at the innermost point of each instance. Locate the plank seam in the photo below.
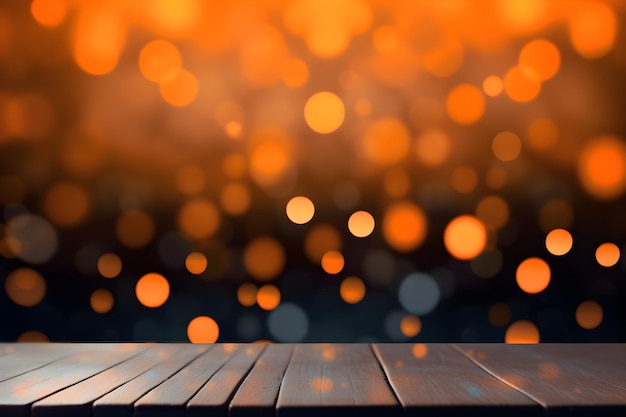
(376, 353)
(484, 368)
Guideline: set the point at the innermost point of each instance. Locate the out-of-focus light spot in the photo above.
(607, 254)
(66, 204)
(261, 55)
(295, 73)
(173, 17)
(12, 190)
(324, 112)
(465, 104)
(495, 177)
(404, 226)
(203, 329)
(556, 213)
(180, 89)
(493, 211)
(196, 263)
(361, 223)
(264, 258)
(152, 290)
(559, 242)
(198, 218)
(445, 59)
(332, 262)
(386, 141)
(352, 290)
(270, 155)
(419, 350)
(500, 314)
(543, 133)
(521, 86)
(506, 146)
(464, 179)
(109, 265)
(522, 332)
(233, 129)
(410, 326)
(433, 147)
(392, 325)
(522, 15)
(159, 61)
(234, 165)
(493, 86)
(235, 198)
(540, 58)
(268, 297)
(397, 183)
(589, 315)
(190, 179)
(602, 167)
(487, 264)
(31, 238)
(134, 229)
(320, 239)
(288, 323)
(98, 41)
(300, 210)
(49, 12)
(465, 237)
(533, 275)
(101, 301)
(592, 29)
(246, 294)
(321, 384)
(25, 287)
(418, 293)
(32, 336)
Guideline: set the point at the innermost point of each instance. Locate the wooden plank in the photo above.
(76, 401)
(170, 398)
(567, 379)
(213, 397)
(17, 394)
(435, 379)
(258, 393)
(119, 402)
(334, 380)
(19, 358)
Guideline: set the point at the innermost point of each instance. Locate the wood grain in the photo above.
(19, 358)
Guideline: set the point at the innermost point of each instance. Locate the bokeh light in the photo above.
(361, 223)
(196, 263)
(268, 297)
(608, 254)
(352, 290)
(324, 112)
(465, 104)
(264, 258)
(386, 141)
(410, 326)
(522, 332)
(152, 290)
(101, 301)
(533, 275)
(589, 314)
(159, 60)
(203, 329)
(602, 167)
(25, 287)
(288, 323)
(134, 229)
(404, 226)
(332, 262)
(465, 237)
(109, 265)
(300, 210)
(418, 293)
(559, 242)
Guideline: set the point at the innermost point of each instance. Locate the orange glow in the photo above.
(608, 254)
(520, 85)
(268, 297)
(173, 17)
(190, 179)
(361, 223)
(159, 60)
(493, 86)
(465, 104)
(300, 210)
(66, 204)
(109, 265)
(152, 290)
(320, 239)
(404, 226)
(332, 262)
(321, 384)
(295, 73)
(602, 167)
(464, 179)
(196, 263)
(419, 350)
(465, 237)
(493, 211)
(32, 336)
(540, 58)
(352, 290)
(324, 112)
(446, 59)
(589, 315)
(134, 229)
(270, 155)
(261, 55)
(500, 314)
(234, 166)
(180, 89)
(410, 326)
(592, 29)
(506, 146)
(559, 242)
(101, 301)
(522, 332)
(49, 12)
(533, 275)
(433, 147)
(264, 258)
(495, 177)
(386, 141)
(198, 218)
(246, 294)
(25, 287)
(235, 198)
(397, 183)
(522, 15)
(98, 41)
(203, 329)
(543, 133)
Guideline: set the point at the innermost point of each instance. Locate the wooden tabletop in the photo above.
(145, 380)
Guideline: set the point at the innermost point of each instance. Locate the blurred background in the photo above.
(312, 170)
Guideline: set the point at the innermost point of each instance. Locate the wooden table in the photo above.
(147, 380)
